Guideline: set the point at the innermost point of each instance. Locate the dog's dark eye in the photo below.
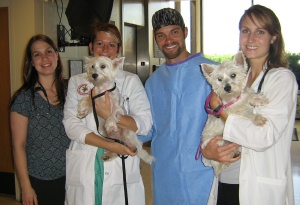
(233, 75)
(103, 66)
(220, 79)
(93, 66)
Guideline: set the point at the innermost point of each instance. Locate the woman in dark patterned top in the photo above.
(38, 135)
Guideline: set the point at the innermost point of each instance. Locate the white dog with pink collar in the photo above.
(228, 81)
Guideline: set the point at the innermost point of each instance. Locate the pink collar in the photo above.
(211, 111)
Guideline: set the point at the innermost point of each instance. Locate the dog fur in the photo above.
(101, 71)
(228, 81)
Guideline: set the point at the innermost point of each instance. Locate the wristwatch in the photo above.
(218, 110)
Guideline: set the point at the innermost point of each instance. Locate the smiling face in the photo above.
(105, 44)
(44, 58)
(171, 41)
(255, 41)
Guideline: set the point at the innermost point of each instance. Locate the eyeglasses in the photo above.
(110, 45)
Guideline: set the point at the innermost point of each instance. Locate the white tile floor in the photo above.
(295, 150)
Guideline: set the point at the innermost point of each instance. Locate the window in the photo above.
(220, 25)
(221, 18)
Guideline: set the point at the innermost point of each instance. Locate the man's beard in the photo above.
(173, 55)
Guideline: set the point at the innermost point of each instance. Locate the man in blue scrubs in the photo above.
(177, 93)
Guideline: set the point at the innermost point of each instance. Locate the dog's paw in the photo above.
(262, 101)
(111, 126)
(145, 156)
(221, 142)
(133, 149)
(236, 154)
(105, 158)
(259, 120)
(149, 159)
(81, 113)
(259, 100)
(109, 156)
(84, 107)
(111, 130)
(217, 167)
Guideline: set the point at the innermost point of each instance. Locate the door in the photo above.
(129, 48)
(6, 162)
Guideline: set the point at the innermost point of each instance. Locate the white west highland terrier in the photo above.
(101, 71)
(228, 81)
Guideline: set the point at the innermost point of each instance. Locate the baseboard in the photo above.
(8, 180)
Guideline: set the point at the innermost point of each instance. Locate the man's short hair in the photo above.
(166, 17)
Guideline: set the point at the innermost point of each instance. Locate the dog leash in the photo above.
(123, 157)
(103, 93)
(95, 113)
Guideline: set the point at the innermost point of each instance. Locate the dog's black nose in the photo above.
(95, 75)
(227, 88)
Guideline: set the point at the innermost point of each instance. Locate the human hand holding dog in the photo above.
(103, 110)
(120, 149)
(95, 140)
(219, 153)
(215, 101)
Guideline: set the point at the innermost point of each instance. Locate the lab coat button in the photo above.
(106, 173)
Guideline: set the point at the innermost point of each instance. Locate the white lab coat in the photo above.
(81, 157)
(265, 171)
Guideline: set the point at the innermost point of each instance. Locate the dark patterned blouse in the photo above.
(46, 137)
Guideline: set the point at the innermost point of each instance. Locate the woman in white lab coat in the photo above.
(89, 180)
(263, 175)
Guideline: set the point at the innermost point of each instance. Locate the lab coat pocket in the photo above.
(270, 190)
(79, 166)
(271, 181)
(132, 165)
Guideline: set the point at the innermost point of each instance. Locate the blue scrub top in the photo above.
(177, 94)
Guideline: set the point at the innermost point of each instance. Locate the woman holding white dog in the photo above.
(264, 173)
(89, 180)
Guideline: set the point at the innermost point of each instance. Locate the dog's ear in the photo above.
(240, 59)
(206, 70)
(86, 59)
(118, 62)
